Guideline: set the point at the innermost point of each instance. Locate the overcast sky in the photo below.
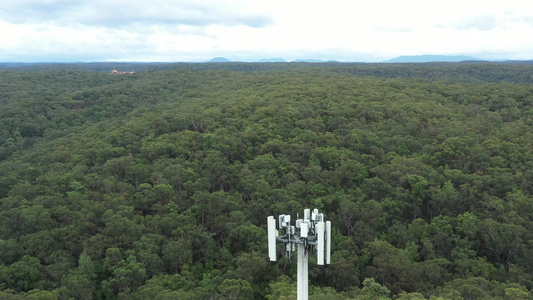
(247, 30)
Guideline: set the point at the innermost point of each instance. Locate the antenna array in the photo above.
(311, 231)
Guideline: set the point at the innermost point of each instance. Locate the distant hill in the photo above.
(269, 60)
(308, 60)
(219, 60)
(518, 62)
(25, 64)
(430, 58)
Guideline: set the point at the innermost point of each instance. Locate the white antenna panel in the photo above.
(307, 214)
(328, 242)
(320, 230)
(272, 232)
(284, 221)
(304, 230)
(289, 247)
(320, 218)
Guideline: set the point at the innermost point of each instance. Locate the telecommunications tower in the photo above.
(310, 231)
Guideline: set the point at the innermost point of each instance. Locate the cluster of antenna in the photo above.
(312, 230)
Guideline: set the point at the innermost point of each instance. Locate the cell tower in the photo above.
(310, 231)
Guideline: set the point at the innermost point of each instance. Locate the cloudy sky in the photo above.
(248, 30)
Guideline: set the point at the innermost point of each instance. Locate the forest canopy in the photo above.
(158, 184)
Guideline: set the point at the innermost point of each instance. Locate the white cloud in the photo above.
(484, 23)
(185, 30)
(104, 13)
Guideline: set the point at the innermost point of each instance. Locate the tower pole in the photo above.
(302, 278)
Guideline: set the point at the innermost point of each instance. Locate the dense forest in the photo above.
(157, 185)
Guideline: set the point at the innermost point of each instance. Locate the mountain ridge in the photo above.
(431, 58)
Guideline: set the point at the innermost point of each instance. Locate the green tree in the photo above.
(373, 290)
(283, 288)
(126, 276)
(25, 274)
(236, 289)
(516, 293)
